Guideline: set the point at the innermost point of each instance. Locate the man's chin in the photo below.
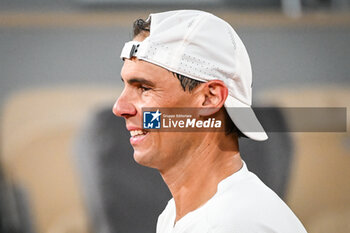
(143, 159)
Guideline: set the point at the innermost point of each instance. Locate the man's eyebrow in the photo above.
(139, 81)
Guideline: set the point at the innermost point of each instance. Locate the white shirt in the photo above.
(242, 204)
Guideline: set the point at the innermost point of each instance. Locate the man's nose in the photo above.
(123, 107)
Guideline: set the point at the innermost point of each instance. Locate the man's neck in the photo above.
(194, 180)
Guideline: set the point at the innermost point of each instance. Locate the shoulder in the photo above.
(250, 206)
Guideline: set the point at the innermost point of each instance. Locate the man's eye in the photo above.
(143, 88)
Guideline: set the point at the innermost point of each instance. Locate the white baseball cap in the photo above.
(203, 47)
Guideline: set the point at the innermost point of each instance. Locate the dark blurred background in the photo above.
(64, 159)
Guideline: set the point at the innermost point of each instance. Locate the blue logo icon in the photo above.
(151, 120)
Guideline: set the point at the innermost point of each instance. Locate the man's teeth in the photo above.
(136, 133)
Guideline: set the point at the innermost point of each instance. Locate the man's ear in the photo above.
(216, 93)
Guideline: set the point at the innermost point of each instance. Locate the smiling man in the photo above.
(193, 59)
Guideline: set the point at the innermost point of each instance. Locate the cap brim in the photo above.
(245, 119)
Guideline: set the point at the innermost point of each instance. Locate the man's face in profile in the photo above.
(148, 85)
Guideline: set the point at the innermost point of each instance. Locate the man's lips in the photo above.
(134, 131)
(137, 135)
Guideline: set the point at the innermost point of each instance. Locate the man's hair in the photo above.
(141, 26)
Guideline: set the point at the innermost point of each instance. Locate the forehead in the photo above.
(135, 68)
